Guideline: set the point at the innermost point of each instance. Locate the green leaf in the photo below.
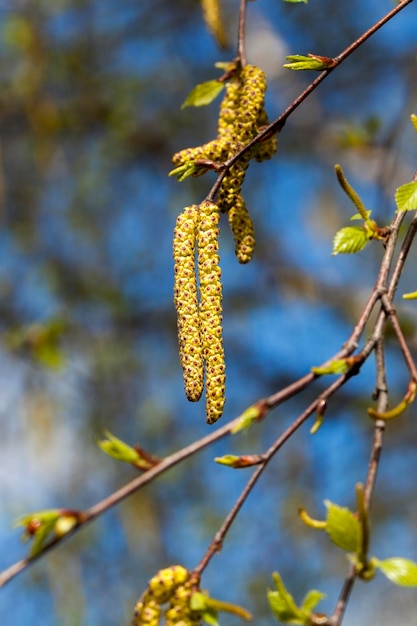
(282, 603)
(294, 1)
(203, 94)
(248, 417)
(311, 600)
(183, 171)
(338, 366)
(400, 571)
(117, 449)
(349, 240)
(342, 527)
(406, 197)
(39, 526)
(414, 121)
(309, 62)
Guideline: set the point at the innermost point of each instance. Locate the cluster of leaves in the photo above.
(350, 532)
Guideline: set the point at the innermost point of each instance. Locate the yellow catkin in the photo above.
(251, 102)
(249, 109)
(186, 303)
(147, 613)
(242, 228)
(229, 108)
(179, 611)
(216, 150)
(209, 274)
(266, 149)
(163, 585)
(213, 18)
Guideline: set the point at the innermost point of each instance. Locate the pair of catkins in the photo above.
(199, 306)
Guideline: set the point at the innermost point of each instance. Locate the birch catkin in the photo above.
(209, 274)
(242, 114)
(186, 303)
(161, 589)
(242, 228)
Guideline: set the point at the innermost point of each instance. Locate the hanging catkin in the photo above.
(242, 228)
(209, 274)
(186, 303)
(242, 113)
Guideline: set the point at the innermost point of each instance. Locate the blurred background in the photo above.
(89, 119)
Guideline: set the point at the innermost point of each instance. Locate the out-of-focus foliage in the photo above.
(90, 114)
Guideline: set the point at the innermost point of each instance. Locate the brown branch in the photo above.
(217, 542)
(376, 343)
(241, 52)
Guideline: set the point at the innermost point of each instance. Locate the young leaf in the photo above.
(117, 449)
(304, 1)
(337, 366)
(227, 459)
(249, 416)
(239, 462)
(203, 94)
(282, 603)
(312, 598)
(309, 62)
(406, 197)
(358, 216)
(38, 526)
(414, 121)
(410, 296)
(349, 240)
(400, 571)
(342, 527)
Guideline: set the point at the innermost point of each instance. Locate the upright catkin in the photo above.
(209, 274)
(186, 303)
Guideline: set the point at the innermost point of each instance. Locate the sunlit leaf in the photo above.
(414, 121)
(38, 526)
(349, 240)
(311, 600)
(406, 197)
(282, 603)
(248, 417)
(338, 366)
(400, 571)
(309, 62)
(342, 527)
(410, 296)
(203, 94)
(118, 449)
(294, 1)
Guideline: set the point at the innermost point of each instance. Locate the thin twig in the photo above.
(219, 537)
(241, 52)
